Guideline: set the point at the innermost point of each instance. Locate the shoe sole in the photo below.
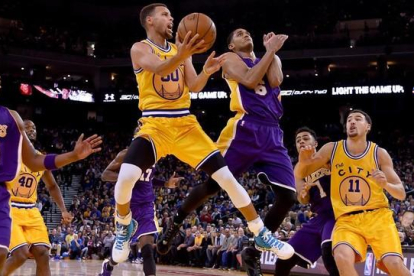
(263, 249)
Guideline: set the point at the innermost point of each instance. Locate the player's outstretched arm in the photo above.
(110, 174)
(310, 161)
(234, 68)
(56, 194)
(143, 57)
(197, 82)
(386, 177)
(274, 73)
(38, 162)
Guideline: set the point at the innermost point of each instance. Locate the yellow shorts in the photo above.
(28, 228)
(183, 137)
(375, 228)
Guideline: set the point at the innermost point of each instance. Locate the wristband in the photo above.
(49, 162)
(205, 72)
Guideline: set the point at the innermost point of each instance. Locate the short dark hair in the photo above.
(306, 129)
(147, 11)
(230, 37)
(367, 117)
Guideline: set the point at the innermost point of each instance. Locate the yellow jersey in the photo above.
(158, 93)
(24, 186)
(352, 186)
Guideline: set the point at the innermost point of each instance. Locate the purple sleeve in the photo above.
(158, 183)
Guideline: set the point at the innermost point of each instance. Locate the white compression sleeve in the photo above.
(128, 176)
(236, 192)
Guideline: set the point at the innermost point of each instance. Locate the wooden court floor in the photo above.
(89, 268)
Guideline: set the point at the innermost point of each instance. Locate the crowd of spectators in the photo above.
(316, 26)
(211, 236)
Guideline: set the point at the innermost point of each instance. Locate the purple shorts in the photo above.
(308, 240)
(144, 214)
(259, 145)
(5, 219)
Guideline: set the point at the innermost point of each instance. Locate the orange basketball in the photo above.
(198, 23)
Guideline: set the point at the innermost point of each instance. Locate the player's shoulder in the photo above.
(231, 56)
(141, 46)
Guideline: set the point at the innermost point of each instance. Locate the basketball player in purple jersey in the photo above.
(143, 211)
(253, 137)
(313, 240)
(16, 148)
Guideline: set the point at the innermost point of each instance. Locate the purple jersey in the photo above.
(143, 190)
(261, 103)
(10, 146)
(320, 195)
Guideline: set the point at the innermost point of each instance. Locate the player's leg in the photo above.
(146, 243)
(5, 224)
(348, 244)
(139, 157)
(345, 258)
(3, 255)
(327, 256)
(16, 259)
(306, 243)
(284, 200)
(283, 267)
(385, 242)
(35, 232)
(251, 261)
(19, 250)
(328, 259)
(275, 169)
(41, 255)
(199, 151)
(395, 266)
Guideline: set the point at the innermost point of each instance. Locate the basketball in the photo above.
(198, 23)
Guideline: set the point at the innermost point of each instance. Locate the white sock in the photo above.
(255, 225)
(125, 220)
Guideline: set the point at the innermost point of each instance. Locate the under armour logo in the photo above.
(109, 97)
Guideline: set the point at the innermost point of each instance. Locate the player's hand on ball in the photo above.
(84, 148)
(189, 46)
(379, 178)
(213, 64)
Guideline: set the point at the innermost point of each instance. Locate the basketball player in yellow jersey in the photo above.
(29, 232)
(360, 172)
(165, 74)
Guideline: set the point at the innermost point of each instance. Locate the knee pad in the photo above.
(236, 192)
(128, 176)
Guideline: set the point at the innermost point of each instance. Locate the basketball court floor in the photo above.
(92, 268)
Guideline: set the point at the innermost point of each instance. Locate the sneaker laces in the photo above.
(272, 241)
(121, 236)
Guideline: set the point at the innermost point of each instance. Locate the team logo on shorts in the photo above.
(26, 186)
(170, 87)
(3, 131)
(355, 191)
